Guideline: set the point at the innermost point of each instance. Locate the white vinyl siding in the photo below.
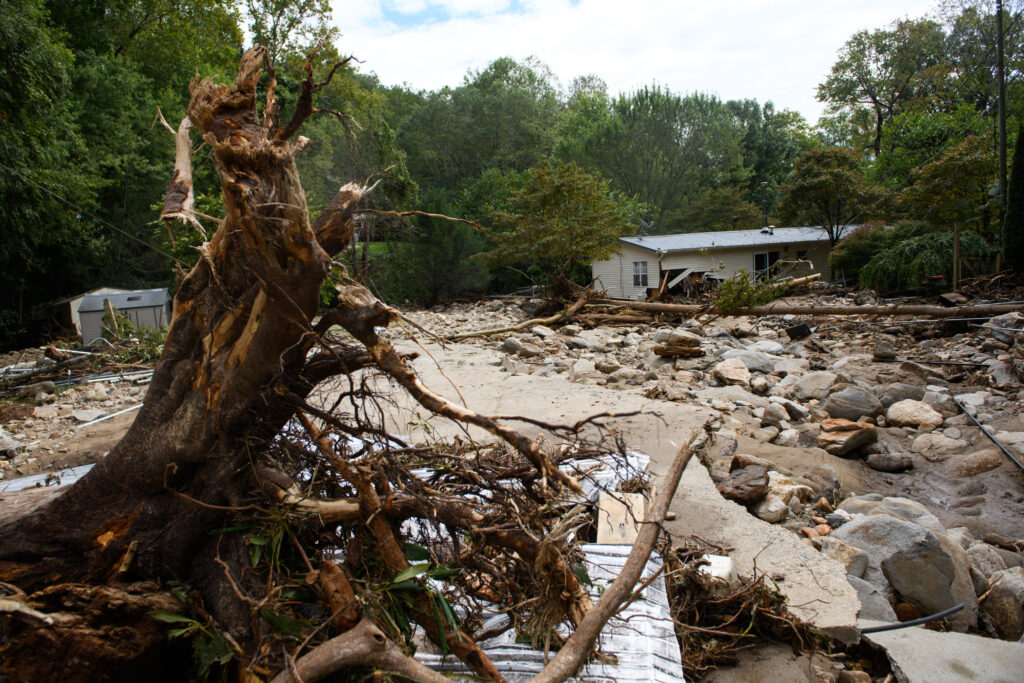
(615, 275)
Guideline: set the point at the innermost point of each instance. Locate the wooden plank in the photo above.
(619, 516)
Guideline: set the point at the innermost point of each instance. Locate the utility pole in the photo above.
(1001, 77)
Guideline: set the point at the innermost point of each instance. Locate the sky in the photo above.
(778, 50)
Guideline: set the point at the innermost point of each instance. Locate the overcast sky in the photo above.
(776, 50)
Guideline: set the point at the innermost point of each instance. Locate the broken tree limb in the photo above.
(359, 312)
(363, 645)
(576, 650)
(823, 310)
(800, 281)
(179, 198)
(550, 320)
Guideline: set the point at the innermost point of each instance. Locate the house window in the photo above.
(763, 262)
(801, 255)
(639, 273)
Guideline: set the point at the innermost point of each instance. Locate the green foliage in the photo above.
(135, 344)
(858, 248)
(915, 138)
(559, 220)
(717, 209)
(910, 264)
(1013, 224)
(744, 291)
(827, 188)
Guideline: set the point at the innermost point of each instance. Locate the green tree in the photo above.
(664, 149)
(559, 220)
(915, 138)
(718, 209)
(284, 26)
(1013, 224)
(885, 70)
(827, 188)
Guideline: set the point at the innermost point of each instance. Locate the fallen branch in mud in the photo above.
(561, 316)
(577, 648)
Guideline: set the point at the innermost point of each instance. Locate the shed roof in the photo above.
(137, 298)
(692, 241)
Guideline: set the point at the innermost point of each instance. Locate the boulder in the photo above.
(578, 343)
(768, 346)
(911, 413)
(852, 403)
(884, 350)
(511, 345)
(795, 410)
(583, 367)
(789, 438)
(542, 331)
(746, 486)
(937, 447)
(840, 437)
(528, 350)
(765, 434)
(1004, 605)
(787, 488)
(790, 366)
(88, 415)
(1013, 320)
(732, 371)
(901, 508)
(755, 361)
(855, 561)
(814, 385)
(898, 391)
(984, 559)
(973, 464)
(873, 604)
(904, 557)
(9, 447)
(680, 338)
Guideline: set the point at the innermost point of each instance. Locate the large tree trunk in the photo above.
(240, 331)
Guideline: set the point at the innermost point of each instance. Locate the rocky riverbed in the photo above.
(856, 435)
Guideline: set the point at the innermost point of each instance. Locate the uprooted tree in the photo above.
(272, 524)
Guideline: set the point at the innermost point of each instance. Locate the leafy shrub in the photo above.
(133, 343)
(744, 291)
(857, 249)
(907, 265)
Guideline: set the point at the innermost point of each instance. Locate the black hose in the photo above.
(913, 622)
(991, 438)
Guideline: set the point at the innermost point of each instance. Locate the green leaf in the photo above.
(416, 553)
(172, 618)
(581, 573)
(286, 625)
(230, 530)
(411, 572)
(443, 573)
(443, 642)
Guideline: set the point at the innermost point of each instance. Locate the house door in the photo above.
(763, 262)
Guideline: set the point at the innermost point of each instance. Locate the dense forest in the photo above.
(910, 138)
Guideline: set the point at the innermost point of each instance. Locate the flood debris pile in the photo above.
(851, 430)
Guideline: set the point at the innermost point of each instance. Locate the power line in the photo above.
(93, 216)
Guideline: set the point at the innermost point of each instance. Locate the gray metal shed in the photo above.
(145, 307)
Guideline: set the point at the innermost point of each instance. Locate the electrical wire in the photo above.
(91, 215)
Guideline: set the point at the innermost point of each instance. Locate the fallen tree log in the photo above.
(782, 308)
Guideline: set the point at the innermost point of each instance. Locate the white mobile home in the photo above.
(644, 260)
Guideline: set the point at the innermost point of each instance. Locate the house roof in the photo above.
(138, 298)
(692, 241)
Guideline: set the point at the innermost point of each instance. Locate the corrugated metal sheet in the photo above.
(642, 636)
(692, 241)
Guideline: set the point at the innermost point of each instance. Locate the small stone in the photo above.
(745, 486)
(578, 343)
(890, 462)
(851, 403)
(542, 331)
(88, 415)
(973, 464)
(771, 510)
(765, 434)
(822, 529)
(732, 371)
(760, 385)
(789, 438)
(883, 351)
(911, 413)
(814, 385)
(511, 345)
(840, 437)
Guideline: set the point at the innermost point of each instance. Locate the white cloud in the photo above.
(775, 51)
